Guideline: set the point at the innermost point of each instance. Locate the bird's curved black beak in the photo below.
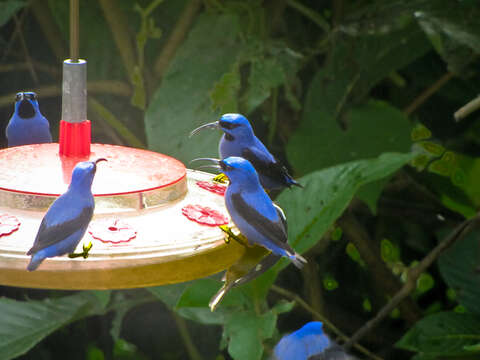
(213, 125)
(216, 163)
(100, 159)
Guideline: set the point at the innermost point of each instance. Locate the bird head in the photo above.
(233, 125)
(83, 173)
(310, 328)
(26, 104)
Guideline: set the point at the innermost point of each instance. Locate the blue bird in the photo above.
(67, 219)
(27, 124)
(309, 343)
(239, 140)
(252, 210)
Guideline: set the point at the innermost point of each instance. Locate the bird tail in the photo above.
(217, 298)
(35, 262)
(298, 260)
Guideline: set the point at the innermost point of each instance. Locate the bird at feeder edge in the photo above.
(239, 140)
(27, 124)
(67, 219)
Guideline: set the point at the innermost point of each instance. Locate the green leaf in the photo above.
(25, 323)
(442, 334)
(8, 9)
(246, 330)
(459, 267)
(182, 102)
(169, 294)
(312, 210)
(225, 92)
(265, 74)
(373, 128)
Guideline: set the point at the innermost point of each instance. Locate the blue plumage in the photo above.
(252, 210)
(308, 341)
(67, 219)
(27, 125)
(239, 140)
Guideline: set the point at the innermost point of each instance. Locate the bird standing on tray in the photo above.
(251, 209)
(309, 343)
(27, 124)
(67, 219)
(239, 140)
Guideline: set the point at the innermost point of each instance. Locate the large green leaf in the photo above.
(182, 102)
(312, 210)
(25, 323)
(355, 64)
(443, 334)
(459, 268)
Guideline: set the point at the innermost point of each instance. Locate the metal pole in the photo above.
(74, 32)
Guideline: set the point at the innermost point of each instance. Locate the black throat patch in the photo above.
(229, 137)
(26, 110)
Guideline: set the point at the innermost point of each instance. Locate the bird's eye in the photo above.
(228, 125)
(18, 97)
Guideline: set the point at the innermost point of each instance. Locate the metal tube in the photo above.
(74, 93)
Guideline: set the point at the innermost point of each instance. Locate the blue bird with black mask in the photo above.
(67, 219)
(239, 140)
(309, 343)
(251, 209)
(27, 124)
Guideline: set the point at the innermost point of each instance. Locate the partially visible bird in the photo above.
(239, 140)
(309, 343)
(27, 124)
(67, 219)
(252, 210)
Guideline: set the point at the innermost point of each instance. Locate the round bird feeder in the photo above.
(155, 222)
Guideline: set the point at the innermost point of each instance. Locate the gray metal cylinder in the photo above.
(74, 92)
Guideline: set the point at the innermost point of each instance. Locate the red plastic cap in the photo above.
(75, 138)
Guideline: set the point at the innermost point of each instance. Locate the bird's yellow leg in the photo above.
(230, 235)
(84, 253)
(221, 178)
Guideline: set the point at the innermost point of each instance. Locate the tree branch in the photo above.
(458, 233)
(425, 95)
(381, 274)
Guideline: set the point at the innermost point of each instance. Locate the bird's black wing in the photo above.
(266, 167)
(275, 231)
(49, 235)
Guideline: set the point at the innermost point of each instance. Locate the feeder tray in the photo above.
(139, 231)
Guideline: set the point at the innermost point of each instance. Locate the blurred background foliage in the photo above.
(357, 97)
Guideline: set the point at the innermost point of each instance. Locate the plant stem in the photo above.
(123, 40)
(309, 14)
(326, 322)
(176, 37)
(413, 274)
(467, 109)
(187, 339)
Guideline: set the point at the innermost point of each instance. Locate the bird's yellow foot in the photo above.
(230, 235)
(221, 178)
(84, 253)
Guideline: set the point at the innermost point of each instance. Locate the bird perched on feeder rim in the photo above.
(239, 140)
(309, 343)
(67, 219)
(27, 124)
(252, 210)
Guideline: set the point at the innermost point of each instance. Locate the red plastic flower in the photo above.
(212, 187)
(204, 215)
(113, 231)
(8, 224)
